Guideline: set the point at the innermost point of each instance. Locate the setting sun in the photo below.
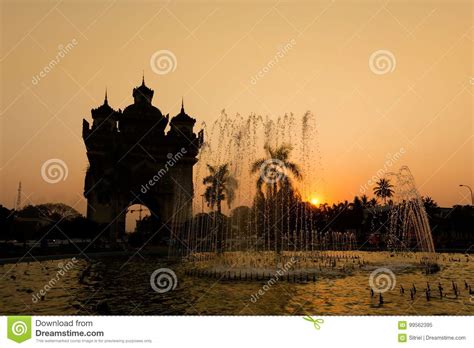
(314, 201)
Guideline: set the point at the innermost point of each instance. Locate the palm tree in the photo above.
(274, 170)
(221, 186)
(364, 200)
(384, 189)
(357, 203)
(430, 205)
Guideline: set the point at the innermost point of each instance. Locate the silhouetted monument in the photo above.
(133, 161)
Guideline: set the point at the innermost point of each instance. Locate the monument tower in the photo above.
(133, 160)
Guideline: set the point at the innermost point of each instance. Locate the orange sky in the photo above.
(423, 104)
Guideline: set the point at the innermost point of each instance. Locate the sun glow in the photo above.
(314, 201)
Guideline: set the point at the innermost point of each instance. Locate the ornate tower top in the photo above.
(183, 117)
(104, 116)
(142, 94)
(104, 110)
(182, 123)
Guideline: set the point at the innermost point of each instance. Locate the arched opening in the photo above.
(137, 218)
(143, 224)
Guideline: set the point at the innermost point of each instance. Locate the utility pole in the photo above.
(18, 197)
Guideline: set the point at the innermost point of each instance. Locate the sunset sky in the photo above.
(225, 59)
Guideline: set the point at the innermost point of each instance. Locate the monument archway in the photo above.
(139, 156)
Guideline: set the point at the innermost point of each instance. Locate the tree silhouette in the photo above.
(278, 164)
(383, 189)
(364, 200)
(49, 211)
(221, 186)
(273, 170)
(430, 205)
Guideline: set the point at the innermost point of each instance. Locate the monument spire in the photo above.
(182, 104)
(106, 101)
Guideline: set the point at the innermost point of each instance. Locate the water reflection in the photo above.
(109, 286)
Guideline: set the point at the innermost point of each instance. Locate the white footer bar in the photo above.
(235, 331)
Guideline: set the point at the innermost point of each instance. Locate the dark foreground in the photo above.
(120, 285)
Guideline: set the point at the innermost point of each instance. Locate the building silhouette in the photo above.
(134, 160)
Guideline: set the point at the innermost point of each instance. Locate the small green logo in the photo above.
(402, 338)
(316, 322)
(19, 328)
(402, 325)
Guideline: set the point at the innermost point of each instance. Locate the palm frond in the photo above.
(257, 165)
(294, 169)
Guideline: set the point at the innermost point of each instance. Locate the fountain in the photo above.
(409, 228)
(272, 228)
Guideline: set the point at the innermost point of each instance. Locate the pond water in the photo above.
(119, 286)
